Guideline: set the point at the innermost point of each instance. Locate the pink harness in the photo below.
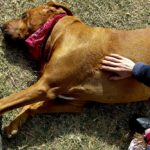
(36, 41)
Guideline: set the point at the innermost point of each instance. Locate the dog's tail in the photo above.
(35, 93)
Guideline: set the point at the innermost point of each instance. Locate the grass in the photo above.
(100, 126)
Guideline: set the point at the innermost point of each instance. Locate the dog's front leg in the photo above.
(53, 106)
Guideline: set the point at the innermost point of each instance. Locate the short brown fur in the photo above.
(74, 66)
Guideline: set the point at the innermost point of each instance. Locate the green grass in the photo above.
(99, 127)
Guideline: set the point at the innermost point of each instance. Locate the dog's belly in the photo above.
(99, 88)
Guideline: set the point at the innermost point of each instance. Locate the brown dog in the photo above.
(73, 67)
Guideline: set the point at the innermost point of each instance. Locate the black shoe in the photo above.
(139, 124)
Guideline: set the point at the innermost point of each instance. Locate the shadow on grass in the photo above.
(16, 53)
(98, 123)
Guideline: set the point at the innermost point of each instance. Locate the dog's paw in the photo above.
(10, 131)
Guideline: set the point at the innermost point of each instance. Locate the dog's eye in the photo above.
(23, 15)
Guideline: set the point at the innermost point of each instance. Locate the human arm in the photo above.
(141, 72)
(125, 68)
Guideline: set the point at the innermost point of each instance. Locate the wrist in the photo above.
(137, 68)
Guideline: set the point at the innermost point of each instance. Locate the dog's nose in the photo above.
(6, 34)
(5, 31)
(3, 28)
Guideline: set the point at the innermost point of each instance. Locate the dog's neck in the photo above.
(36, 42)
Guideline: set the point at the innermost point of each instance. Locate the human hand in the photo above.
(119, 65)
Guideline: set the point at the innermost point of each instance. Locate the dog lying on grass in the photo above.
(70, 54)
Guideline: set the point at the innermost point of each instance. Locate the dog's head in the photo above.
(32, 20)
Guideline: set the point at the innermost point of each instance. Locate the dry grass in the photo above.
(99, 127)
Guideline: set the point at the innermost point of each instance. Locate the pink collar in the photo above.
(36, 41)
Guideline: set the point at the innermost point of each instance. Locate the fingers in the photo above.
(110, 63)
(116, 56)
(110, 68)
(119, 65)
(115, 60)
(112, 59)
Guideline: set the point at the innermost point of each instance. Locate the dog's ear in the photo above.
(57, 5)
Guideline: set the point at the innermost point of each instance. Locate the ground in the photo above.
(100, 126)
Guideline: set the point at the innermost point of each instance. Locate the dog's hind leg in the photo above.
(37, 92)
(53, 106)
